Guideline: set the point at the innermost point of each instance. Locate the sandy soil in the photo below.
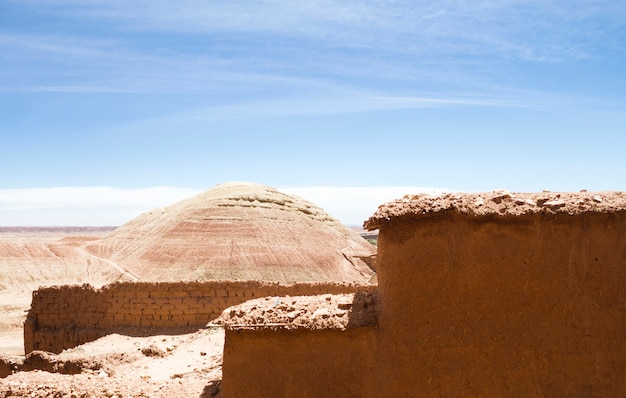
(121, 366)
(190, 363)
(31, 257)
(13, 307)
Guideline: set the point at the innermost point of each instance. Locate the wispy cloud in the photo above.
(257, 56)
(346, 103)
(70, 64)
(417, 34)
(443, 26)
(331, 102)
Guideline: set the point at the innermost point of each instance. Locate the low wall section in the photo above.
(300, 363)
(62, 317)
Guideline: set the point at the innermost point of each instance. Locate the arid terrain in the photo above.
(115, 365)
(123, 366)
(259, 233)
(517, 278)
(31, 257)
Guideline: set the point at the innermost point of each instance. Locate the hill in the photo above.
(238, 231)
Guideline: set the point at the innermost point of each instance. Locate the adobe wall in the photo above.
(65, 316)
(529, 305)
(300, 363)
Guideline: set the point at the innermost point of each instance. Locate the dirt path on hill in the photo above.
(112, 264)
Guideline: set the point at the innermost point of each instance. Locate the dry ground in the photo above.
(13, 308)
(121, 366)
(188, 367)
(34, 257)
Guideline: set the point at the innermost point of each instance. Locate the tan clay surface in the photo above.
(250, 230)
(492, 295)
(500, 202)
(234, 231)
(327, 311)
(31, 257)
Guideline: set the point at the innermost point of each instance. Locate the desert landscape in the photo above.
(115, 365)
(31, 257)
(231, 232)
(312, 199)
(245, 291)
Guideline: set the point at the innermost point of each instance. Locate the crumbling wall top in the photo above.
(328, 311)
(500, 202)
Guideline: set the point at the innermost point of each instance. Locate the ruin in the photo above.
(62, 317)
(182, 265)
(492, 294)
(489, 294)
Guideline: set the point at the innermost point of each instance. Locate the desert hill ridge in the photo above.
(238, 230)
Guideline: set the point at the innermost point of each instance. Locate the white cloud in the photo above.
(107, 206)
(82, 206)
(353, 205)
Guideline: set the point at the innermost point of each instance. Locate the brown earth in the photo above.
(320, 346)
(111, 366)
(174, 365)
(177, 365)
(457, 286)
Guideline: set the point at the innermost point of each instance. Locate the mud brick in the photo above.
(135, 311)
(179, 293)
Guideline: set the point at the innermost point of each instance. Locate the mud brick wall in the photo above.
(62, 317)
(531, 306)
(304, 363)
(496, 306)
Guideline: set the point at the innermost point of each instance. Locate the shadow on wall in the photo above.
(212, 390)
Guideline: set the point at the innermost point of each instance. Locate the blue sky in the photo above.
(338, 100)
